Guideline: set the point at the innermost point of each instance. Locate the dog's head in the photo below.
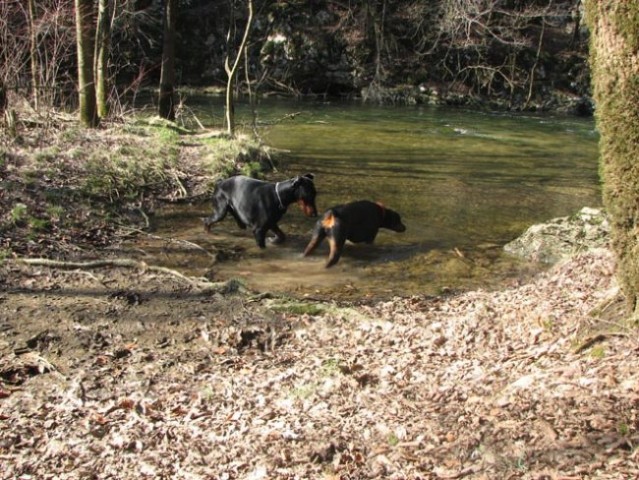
(305, 194)
(391, 219)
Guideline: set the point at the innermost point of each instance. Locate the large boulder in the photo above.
(561, 237)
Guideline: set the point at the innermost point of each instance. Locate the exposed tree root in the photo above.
(592, 341)
(179, 241)
(199, 283)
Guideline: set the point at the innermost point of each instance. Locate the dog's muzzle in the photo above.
(308, 209)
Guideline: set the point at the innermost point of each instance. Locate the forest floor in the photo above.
(122, 370)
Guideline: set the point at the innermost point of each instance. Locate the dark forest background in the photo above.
(524, 55)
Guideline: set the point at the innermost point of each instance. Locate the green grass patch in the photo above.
(18, 213)
(223, 156)
(127, 170)
(55, 211)
(623, 428)
(39, 224)
(298, 308)
(304, 391)
(122, 177)
(331, 367)
(47, 156)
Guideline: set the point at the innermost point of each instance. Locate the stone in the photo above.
(563, 237)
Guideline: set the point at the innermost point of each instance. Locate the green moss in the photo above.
(250, 169)
(623, 428)
(299, 308)
(623, 15)
(331, 367)
(626, 18)
(616, 90)
(393, 440)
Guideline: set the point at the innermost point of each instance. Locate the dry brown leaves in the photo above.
(483, 385)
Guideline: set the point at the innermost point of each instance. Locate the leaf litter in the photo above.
(185, 384)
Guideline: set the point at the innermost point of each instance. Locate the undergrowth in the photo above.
(62, 183)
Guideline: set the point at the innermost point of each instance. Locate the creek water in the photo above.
(464, 182)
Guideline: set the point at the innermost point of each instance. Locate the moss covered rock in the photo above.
(561, 237)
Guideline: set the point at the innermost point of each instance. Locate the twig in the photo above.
(589, 342)
(197, 120)
(180, 185)
(461, 474)
(146, 218)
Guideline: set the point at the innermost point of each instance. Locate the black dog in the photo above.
(260, 205)
(358, 222)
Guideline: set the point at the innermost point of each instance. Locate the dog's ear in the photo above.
(298, 179)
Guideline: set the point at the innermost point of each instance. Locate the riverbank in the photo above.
(112, 369)
(66, 190)
(552, 101)
(140, 373)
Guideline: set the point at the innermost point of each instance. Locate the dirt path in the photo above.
(120, 373)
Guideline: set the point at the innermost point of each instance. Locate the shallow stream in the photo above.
(464, 182)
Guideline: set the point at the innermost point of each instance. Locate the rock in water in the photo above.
(561, 237)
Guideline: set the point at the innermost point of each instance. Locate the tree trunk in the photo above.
(33, 53)
(85, 32)
(4, 103)
(167, 75)
(232, 71)
(103, 44)
(378, 27)
(614, 58)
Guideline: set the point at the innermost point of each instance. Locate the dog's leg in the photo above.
(220, 210)
(336, 243)
(239, 222)
(280, 236)
(336, 240)
(260, 237)
(318, 235)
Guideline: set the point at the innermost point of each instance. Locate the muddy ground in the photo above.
(122, 370)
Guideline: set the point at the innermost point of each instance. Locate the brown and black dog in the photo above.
(357, 221)
(260, 205)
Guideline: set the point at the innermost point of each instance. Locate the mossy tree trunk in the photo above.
(85, 31)
(614, 58)
(167, 74)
